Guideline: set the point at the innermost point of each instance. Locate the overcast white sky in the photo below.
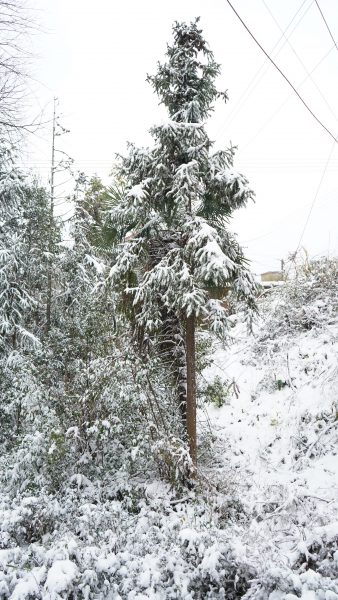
(94, 56)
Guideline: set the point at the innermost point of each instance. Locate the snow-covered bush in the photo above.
(165, 548)
(307, 300)
(217, 392)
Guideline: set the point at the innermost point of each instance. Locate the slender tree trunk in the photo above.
(49, 297)
(51, 222)
(181, 379)
(191, 387)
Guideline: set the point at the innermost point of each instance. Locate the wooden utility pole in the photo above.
(51, 223)
(191, 388)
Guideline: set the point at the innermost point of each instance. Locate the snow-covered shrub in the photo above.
(173, 459)
(307, 300)
(288, 584)
(217, 392)
(165, 548)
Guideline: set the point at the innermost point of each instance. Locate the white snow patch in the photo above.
(60, 576)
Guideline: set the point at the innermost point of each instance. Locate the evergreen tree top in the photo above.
(174, 210)
(185, 83)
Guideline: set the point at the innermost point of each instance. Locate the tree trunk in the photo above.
(51, 223)
(191, 387)
(49, 297)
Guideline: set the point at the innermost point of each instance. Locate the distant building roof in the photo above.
(272, 276)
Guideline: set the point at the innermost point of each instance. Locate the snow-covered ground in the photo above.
(262, 521)
(280, 432)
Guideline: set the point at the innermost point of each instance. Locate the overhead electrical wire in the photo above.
(333, 144)
(308, 216)
(260, 72)
(286, 100)
(315, 196)
(326, 23)
(277, 224)
(282, 74)
(66, 213)
(301, 62)
(287, 272)
(258, 163)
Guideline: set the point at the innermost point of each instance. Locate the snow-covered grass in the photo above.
(280, 432)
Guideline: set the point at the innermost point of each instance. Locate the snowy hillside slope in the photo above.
(281, 435)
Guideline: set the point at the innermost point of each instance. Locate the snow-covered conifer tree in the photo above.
(21, 291)
(178, 199)
(15, 299)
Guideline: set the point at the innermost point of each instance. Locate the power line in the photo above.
(255, 161)
(260, 72)
(315, 196)
(66, 213)
(287, 99)
(282, 74)
(286, 274)
(277, 224)
(66, 201)
(301, 61)
(327, 26)
(275, 227)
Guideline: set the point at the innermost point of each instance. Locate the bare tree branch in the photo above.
(16, 27)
